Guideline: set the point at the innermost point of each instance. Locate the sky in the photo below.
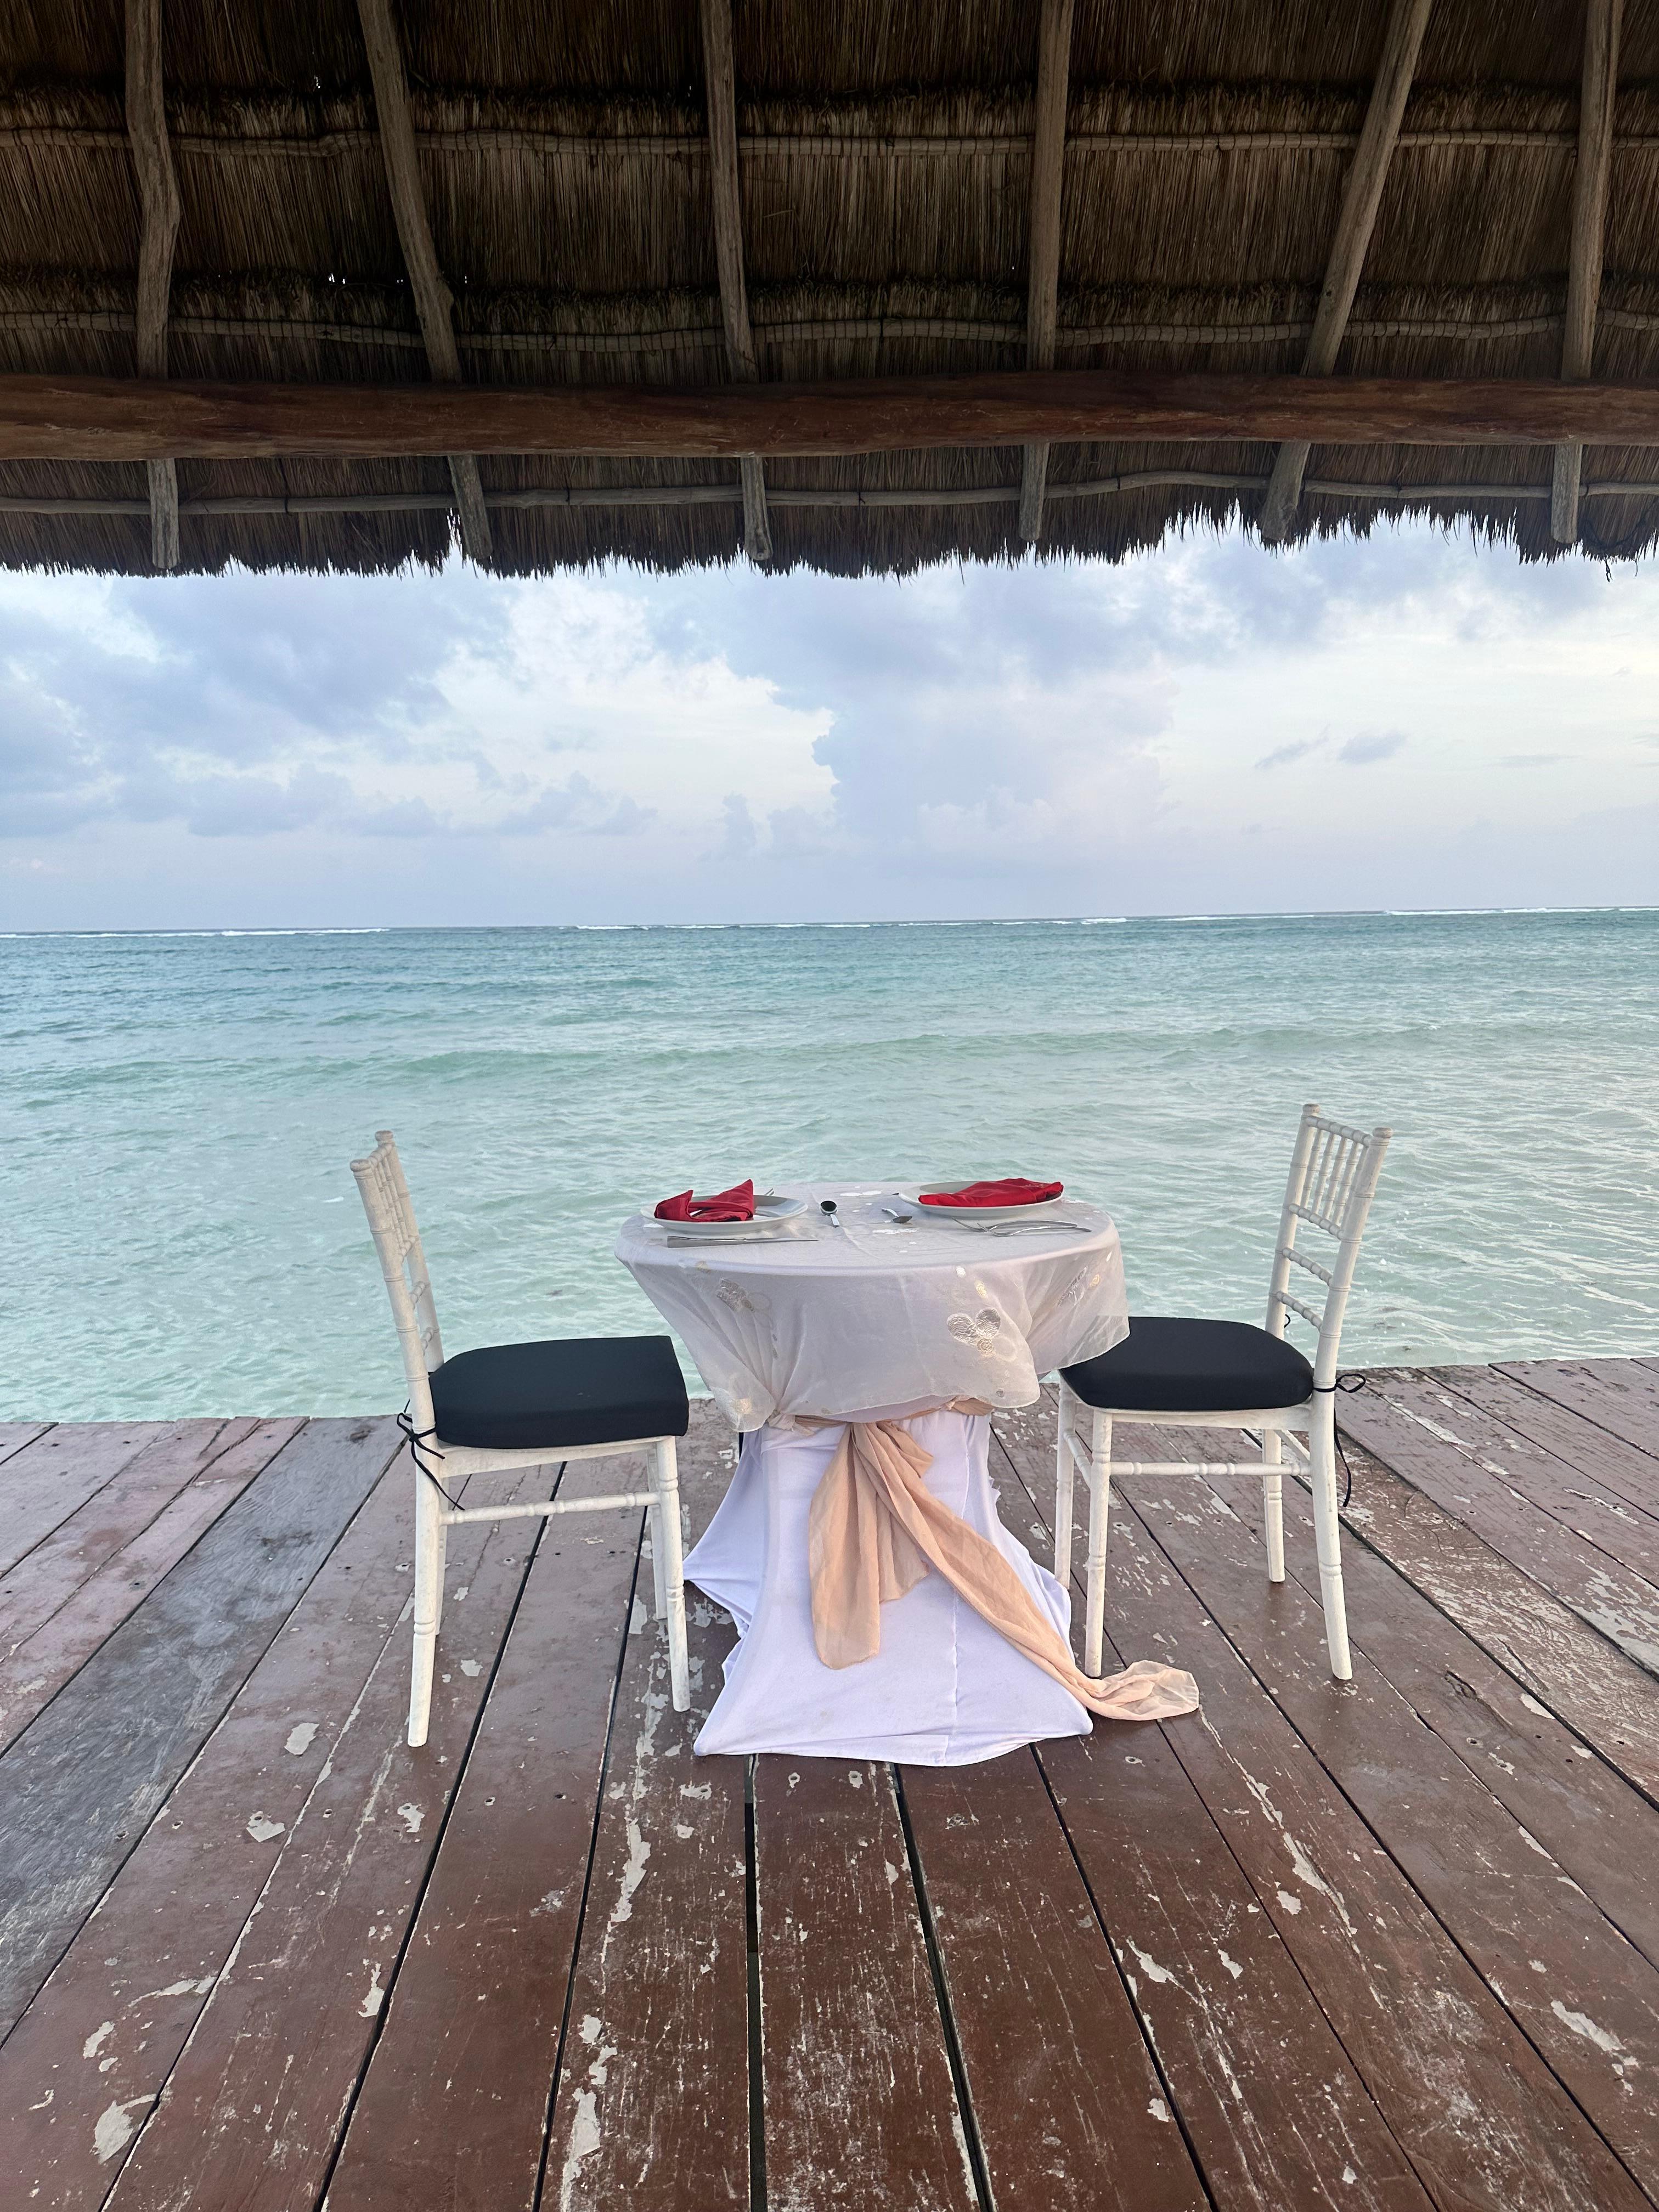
(1411, 720)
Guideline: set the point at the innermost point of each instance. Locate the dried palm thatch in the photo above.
(884, 220)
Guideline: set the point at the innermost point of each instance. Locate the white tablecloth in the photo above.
(865, 1322)
(874, 1314)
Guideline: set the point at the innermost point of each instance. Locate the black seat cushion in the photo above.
(1168, 1365)
(577, 1390)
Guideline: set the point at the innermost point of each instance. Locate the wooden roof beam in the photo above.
(1589, 210)
(433, 304)
(119, 419)
(721, 95)
(158, 202)
(1362, 196)
(1048, 167)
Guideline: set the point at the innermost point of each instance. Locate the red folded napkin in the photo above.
(1012, 1190)
(736, 1204)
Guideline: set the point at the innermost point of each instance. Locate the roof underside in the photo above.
(884, 154)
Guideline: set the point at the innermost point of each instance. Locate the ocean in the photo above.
(182, 1235)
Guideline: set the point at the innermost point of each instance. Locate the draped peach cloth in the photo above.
(876, 1529)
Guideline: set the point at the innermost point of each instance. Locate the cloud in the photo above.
(1050, 737)
(1369, 745)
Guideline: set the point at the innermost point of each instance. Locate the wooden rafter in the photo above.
(433, 301)
(158, 202)
(720, 93)
(1042, 294)
(1589, 210)
(1480, 490)
(121, 419)
(1362, 196)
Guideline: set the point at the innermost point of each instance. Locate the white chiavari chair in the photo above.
(1183, 1373)
(510, 1406)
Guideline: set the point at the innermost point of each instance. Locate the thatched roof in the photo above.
(887, 180)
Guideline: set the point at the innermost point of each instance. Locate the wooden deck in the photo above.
(1395, 1945)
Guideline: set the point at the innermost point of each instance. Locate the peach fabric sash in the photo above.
(876, 1529)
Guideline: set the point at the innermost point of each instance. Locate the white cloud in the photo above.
(1420, 721)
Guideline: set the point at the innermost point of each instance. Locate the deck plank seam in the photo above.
(563, 2043)
(22, 1443)
(142, 1828)
(1505, 1657)
(350, 2104)
(167, 1506)
(757, 2022)
(1309, 1588)
(166, 1431)
(1294, 1963)
(977, 2165)
(1619, 1566)
(1427, 1903)
(1508, 1369)
(1647, 1506)
(1163, 2081)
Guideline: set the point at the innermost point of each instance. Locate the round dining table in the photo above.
(883, 1609)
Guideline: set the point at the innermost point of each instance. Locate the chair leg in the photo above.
(429, 1601)
(1322, 1446)
(1065, 1468)
(659, 1572)
(1273, 1503)
(668, 1540)
(1100, 1506)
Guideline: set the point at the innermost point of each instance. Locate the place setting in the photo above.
(1008, 1205)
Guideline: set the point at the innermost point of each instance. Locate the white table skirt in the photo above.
(944, 1690)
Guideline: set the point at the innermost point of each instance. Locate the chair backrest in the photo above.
(1334, 1172)
(409, 1286)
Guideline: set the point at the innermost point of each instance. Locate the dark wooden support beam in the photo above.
(158, 202)
(1362, 196)
(1589, 210)
(720, 95)
(117, 419)
(433, 301)
(1042, 289)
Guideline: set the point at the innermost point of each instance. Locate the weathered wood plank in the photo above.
(89, 418)
(46, 1482)
(1483, 2120)
(861, 2109)
(132, 1984)
(453, 2107)
(1613, 1468)
(1626, 1533)
(1620, 1395)
(14, 1435)
(1604, 1832)
(78, 1585)
(1623, 1605)
(251, 2113)
(1070, 2111)
(1587, 2000)
(1558, 1659)
(1267, 2097)
(654, 2078)
(87, 1776)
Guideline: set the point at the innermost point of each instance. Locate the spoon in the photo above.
(827, 1207)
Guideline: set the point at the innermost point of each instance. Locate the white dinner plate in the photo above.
(1036, 1212)
(771, 1212)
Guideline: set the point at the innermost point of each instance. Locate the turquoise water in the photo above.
(182, 1235)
